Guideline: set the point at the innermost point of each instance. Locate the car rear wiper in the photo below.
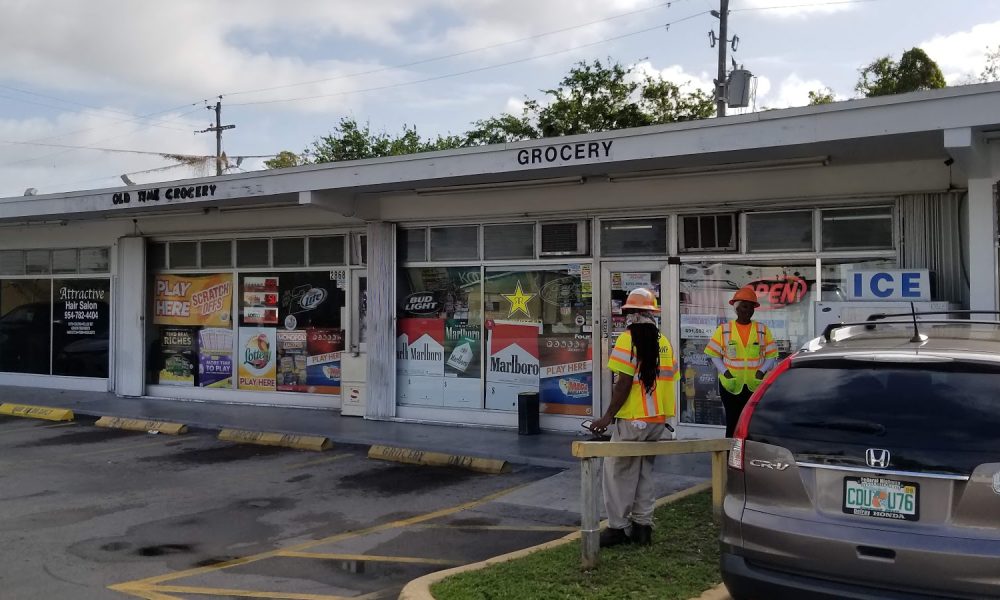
(844, 425)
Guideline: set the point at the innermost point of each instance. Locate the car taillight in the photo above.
(743, 425)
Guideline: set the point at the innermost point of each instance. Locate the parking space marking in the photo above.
(209, 591)
(29, 463)
(319, 461)
(372, 558)
(155, 583)
(37, 427)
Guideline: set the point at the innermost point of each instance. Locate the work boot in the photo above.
(613, 537)
(642, 535)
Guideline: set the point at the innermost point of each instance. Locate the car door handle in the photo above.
(875, 553)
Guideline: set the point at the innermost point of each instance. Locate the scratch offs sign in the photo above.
(420, 347)
(256, 356)
(567, 375)
(200, 300)
(324, 347)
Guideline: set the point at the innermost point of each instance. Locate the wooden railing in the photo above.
(590, 452)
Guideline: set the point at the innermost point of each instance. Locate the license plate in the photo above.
(882, 498)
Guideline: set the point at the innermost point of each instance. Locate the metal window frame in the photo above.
(684, 248)
(892, 215)
(814, 215)
(666, 242)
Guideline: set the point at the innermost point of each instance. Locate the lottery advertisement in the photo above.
(177, 347)
(292, 359)
(324, 347)
(256, 356)
(204, 300)
(215, 357)
(259, 301)
(566, 378)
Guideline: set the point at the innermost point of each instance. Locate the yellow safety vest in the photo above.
(743, 361)
(639, 404)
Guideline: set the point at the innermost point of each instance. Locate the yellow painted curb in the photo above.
(420, 588)
(36, 412)
(263, 438)
(437, 459)
(141, 425)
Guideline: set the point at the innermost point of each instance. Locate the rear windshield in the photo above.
(931, 416)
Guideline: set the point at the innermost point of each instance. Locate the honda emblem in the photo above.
(877, 458)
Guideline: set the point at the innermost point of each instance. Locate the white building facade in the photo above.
(437, 287)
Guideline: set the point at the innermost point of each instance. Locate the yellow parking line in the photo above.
(209, 591)
(543, 528)
(158, 579)
(371, 558)
(37, 427)
(319, 461)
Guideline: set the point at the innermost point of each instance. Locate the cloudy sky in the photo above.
(126, 75)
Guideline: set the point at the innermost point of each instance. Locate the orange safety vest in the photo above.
(642, 405)
(742, 360)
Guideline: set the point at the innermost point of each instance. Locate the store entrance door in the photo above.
(617, 280)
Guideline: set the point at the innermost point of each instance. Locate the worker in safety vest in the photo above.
(742, 352)
(642, 400)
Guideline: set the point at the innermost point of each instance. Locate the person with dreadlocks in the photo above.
(642, 399)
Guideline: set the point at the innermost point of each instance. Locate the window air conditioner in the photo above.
(566, 238)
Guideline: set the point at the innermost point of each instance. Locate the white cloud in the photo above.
(792, 91)
(962, 55)
(688, 82)
(794, 8)
(52, 169)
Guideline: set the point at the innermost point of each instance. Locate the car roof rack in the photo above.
(879, 319)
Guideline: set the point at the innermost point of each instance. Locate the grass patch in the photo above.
(682, 563)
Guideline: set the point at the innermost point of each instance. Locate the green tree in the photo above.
(991, 72)
(821, 96)
(915, 71)
(284, 159)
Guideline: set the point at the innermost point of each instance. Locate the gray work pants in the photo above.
(629, 488)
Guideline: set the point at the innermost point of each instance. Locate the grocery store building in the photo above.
(437, 287)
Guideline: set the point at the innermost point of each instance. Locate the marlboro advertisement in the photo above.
(420, 347)
(512, 366)
(177, 347)
(215, 357)
(462, 344)
(204, 300)
(566, 386)
(256, 357)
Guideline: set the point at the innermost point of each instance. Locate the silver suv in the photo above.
(868, 466)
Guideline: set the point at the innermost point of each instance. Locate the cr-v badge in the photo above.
(877, 458)
(766, 464)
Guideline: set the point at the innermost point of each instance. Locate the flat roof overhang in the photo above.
(907, 127)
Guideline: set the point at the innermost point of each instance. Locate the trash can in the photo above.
(527, 414)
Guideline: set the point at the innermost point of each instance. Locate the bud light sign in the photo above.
(421, 303)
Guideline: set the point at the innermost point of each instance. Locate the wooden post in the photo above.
(589, 514)
(719, 465)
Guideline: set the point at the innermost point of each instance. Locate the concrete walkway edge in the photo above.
(420, 588)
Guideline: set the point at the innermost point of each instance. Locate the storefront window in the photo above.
(25, 327)
(81, 324)
(784, 292)
(780, 231)
(634, 237)
(857, 228)
(439, 337)
(539, 337)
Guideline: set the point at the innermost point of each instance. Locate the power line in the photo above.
(457, 54)
(478, 69)
(810, 5)
(91, 109)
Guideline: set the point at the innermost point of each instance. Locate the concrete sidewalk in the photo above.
(545, 450)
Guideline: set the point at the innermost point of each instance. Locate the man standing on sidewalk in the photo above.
(642, 400)
(742, 352)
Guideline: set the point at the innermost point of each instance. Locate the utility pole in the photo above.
(218, 129)
(720, 84)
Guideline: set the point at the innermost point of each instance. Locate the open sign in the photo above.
(778, 293)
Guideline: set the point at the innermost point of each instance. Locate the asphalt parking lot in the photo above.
(95, 513)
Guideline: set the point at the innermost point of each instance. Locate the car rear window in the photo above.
(941, 417)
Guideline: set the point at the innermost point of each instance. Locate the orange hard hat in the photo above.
(745, 294)
(642, 299)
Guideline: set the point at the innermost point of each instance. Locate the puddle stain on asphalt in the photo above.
(164, 549)
(81, 437)
(298, 478)
(403, 479)
(218, 454)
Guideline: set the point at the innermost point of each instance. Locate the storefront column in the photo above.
(129, 304)
(381, 393)
(982, 245)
